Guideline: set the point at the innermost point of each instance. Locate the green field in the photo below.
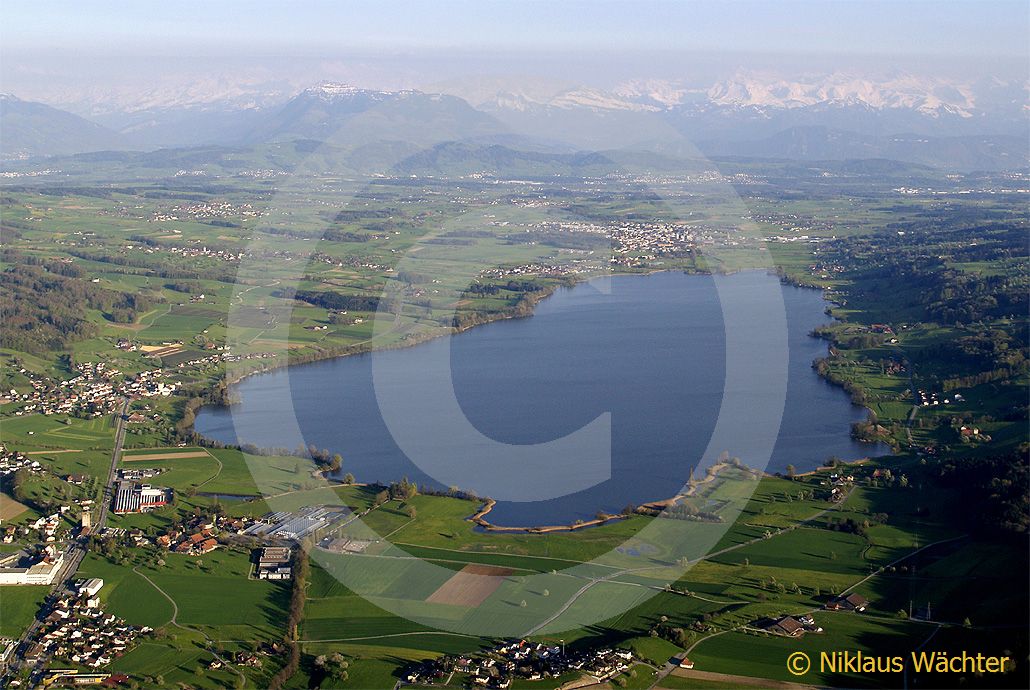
(18, 606)
(766, 655)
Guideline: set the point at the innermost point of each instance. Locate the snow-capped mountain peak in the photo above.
(929, 96)
(591, 98)
(925, 95)
(331, 91)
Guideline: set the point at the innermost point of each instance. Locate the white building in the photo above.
(91, 586)
(18, 569)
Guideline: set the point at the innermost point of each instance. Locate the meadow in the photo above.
(19, 605)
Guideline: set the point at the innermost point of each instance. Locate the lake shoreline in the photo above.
(507, 315)
(479, 518)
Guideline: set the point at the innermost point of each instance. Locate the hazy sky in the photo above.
(80, 44)
(849, 26)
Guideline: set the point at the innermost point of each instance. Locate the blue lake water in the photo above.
(651, 352)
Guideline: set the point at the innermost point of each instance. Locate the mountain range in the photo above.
(972, 125)
(34, 129)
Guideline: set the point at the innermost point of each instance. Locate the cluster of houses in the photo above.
(787, 222)
(196, 544)
(201, 251)
(194, 537)
(39, 384)
(223, 355)
(96, 390)
(7, 649)
(140, 418)
(75, 629)
(12, 461)
(498, 667)
(839, 484)
(654, 239)
(971, 433)
(262, 173)
(46, 527)
(642, 239)
(198, 359)
(931, 399)
(147, 384)
(48, 524)
(233, 525)
(537, 268)
(129, 537)
(791, 239)
(90, 392)
(202, 210)
(207, 525)
(248, 659)
(796, 626)
(349, 262)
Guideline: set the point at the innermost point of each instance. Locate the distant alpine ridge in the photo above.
(931, 96)
(965, 125)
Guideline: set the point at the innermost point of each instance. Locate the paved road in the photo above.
(740, 681)
(76, 551)
(112, 472)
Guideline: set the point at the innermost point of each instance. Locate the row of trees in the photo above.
(163, 267)
(337, 301)
(298, 597)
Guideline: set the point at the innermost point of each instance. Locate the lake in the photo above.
(652, 352)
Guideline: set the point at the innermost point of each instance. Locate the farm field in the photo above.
(210, 598)
(19, 605)
(10, 508)
(767, 654)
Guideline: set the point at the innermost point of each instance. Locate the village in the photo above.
(75, 630)
(11, 461)
(527, 660)
(521, 659)
(94, 391)
(208, 210)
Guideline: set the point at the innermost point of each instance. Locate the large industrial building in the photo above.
(134, 497)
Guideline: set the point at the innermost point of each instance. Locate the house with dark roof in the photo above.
(851, 602)
(787, 625)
